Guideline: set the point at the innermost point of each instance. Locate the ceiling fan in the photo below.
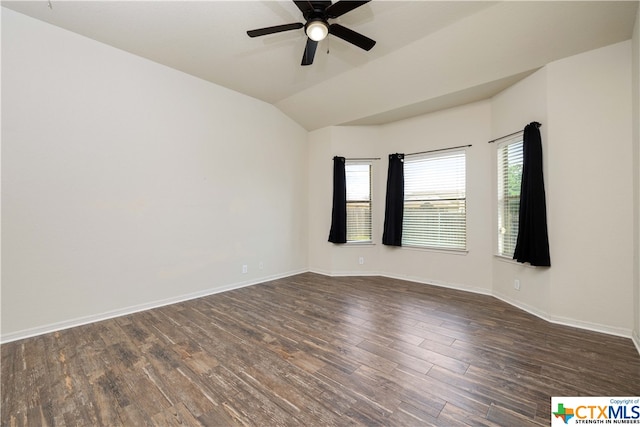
(317, 27)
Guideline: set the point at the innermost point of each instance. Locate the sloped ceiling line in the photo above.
(430, 54)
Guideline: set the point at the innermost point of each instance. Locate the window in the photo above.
(435, 200)
(509, 178)
(358, 177)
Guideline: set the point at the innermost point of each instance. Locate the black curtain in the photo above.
(394, 207)
(532, 245)
(338, 233)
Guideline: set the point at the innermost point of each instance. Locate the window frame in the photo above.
(461, 197)
(368, 201)
(504, 239)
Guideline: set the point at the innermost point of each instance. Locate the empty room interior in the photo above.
(266, 213)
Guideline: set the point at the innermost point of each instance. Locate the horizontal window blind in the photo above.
(509, 179)
(435, 200)
(358, 177)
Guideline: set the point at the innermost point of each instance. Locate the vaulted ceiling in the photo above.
(429, 54)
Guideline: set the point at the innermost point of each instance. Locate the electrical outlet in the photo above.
(361, 260)
(244, 268)
(261, 265)
(516, 284)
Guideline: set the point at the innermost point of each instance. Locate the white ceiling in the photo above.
(429, 54)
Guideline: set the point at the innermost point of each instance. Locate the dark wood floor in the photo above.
(311, 350)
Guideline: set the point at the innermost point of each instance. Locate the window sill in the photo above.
(352, 244)
(437, 250)
(512, 261)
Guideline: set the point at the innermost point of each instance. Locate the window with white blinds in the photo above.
(358, 176)
(435, 200)
(509, 179)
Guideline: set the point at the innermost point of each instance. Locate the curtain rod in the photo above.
(362, 158)
(511, 134)
(439, 149)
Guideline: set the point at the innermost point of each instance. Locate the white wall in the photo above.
(584, 104)
(464, 125)
(591, 188)
(324, 144)
(320, 169)
(127, 184)
(512, 110)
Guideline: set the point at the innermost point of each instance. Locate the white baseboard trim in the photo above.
(594, 327)
(635, 337)
(58, 326)
(566, 321)
(79, 321)
(402, 277)
(344, 273)
(528, 308)
(440, 284)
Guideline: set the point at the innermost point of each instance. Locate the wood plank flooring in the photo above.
(315, 351)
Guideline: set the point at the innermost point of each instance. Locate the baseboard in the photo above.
(79, 321)
(402, 277)
(589, 326)
(635, 337)
(343, 273)
(456, 286)
(565, 321)
(595, 327)
(58, 326)
(528, 308)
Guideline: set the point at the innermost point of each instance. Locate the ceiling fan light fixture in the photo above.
(317, 29)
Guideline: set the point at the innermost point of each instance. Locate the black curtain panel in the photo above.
(532, 245)
(394, 207)
(338, 233)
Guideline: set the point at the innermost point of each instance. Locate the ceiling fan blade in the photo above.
(310, 5)
(351, 36)
(341, 7)
(304, 5)
(275, 29)
(309, 52)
